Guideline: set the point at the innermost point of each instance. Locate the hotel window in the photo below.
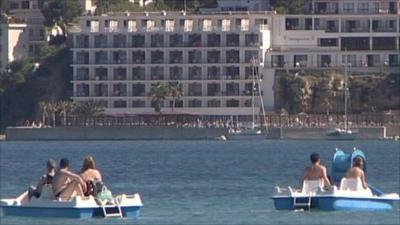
(348, 7)
(25, 5)
(195, 103)
(363, 7)
(207, 25)
(188, 25)
(328, 42)
(351, 59)
(226, 25)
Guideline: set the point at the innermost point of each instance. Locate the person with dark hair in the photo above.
(67, 184)
(46, 178)
(90, 175)
(316, 171)
(357, 172)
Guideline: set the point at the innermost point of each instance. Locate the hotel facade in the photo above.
(117, 58)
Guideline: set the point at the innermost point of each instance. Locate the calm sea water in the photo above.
(201, 182)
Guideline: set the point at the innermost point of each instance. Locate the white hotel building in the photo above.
(118, 57)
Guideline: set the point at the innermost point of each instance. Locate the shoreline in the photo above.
(179, 133)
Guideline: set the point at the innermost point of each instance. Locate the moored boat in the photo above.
(77, 207)
(345, 194)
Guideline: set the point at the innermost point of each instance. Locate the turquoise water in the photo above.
(201, 182)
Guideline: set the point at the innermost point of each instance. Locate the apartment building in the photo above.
(117, 58)
(12, 41)
(365, 34)
(28, 12)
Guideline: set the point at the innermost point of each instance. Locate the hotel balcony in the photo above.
(100, 41)
(120, 74)
(194, 40)
(250, 55)
(101, 73)
(119, 41)
(383, 43)
(157, 57)
(329, 26)
(176, 40)
(138, 73)
(232, 103)
(100, 90)
(157, 40)
(213, 56)
(214, 73)
(119, 90)
(82, 41)
(355, 26)
(101, 57)
(176, 57)
(213, 89)
(232, 89)
(138, 41)
(232, 73)
(119, 57)
(252, 40)
(232, 40)
(176, 73)
(298, 23)
(138, 57)
(232, 56)
(119, 104)
(384, 25)
(194, 56)
(322, 8)
(214, 103)
(157, 73)
(82, 90)
(138, 104)
(138, 90)
(213, 40)
(195, 73)
(277, 61)
(355, 43)
(82, 58)
(195, 103)
(195, 89)
(82, 74)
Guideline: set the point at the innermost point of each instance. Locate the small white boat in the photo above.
(342, 134)
(348, 195)
(77, 207)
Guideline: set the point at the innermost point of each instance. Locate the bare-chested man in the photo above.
(357, 171)
(316, 171)
(67, 184)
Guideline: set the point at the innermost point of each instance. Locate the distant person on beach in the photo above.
(67, 184)
(90, 175)
(357, 171)
(45, 179)
(316, 171)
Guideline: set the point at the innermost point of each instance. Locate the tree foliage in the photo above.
(288, 7)
(60, 12)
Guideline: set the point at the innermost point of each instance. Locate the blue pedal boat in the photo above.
(345, 194)
(127, 206)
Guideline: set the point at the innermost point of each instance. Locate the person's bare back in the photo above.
(357, 172)
(316, 171)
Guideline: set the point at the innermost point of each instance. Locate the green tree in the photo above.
(175, 90)
(54, 108)
(158, 92)
(288, 7)
(89, 110)
(66, 107)
(15, 73)
(61, 12)
(45, 109)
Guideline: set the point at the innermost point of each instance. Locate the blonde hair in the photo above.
(88, 163)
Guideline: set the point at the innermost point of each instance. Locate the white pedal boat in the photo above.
(349, 196)
(78, 207)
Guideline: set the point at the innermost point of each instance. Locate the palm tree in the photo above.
(66, 107)
(89, 110)
(53, 109)
(175, 90)
(158, 92)
(44, 107)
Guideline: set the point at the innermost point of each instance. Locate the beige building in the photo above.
(28, 12)
(117, 58)
(12, 43)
